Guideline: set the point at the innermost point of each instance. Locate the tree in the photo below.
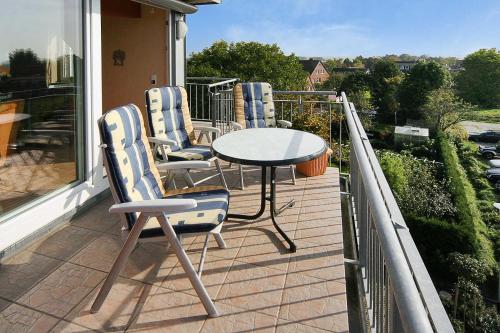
(357, 88)
(479, 82)
(249, 61)
(357, 81)
(25, 62)
(443, 109)
(334, 82)
(386, 78)
(330, 64)
(422, 79)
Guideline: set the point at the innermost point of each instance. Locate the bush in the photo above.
(436, 239)
(416, 185)
(312, 122)
(468, 214)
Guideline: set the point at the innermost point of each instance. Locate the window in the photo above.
(41, 99)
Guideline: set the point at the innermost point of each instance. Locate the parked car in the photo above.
(493, 175)
(489, 152)
(494, 163)
(486, 136)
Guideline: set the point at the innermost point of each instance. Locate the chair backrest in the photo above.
(253, 104)
(169, 117)
(129, 162)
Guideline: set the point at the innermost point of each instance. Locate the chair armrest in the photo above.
(284, 123)
(209, 129)
(154, 206)
(183, 165)
(159, 141)
(236, 126)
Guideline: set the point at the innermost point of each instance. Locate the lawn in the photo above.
(487, 116)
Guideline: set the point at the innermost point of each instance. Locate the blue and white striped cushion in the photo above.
(129, 156)
(169, 117)
(135, 176)
(258, 105)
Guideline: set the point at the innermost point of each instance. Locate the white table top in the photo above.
(268, 146)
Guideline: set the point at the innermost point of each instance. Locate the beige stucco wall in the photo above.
(144, 42)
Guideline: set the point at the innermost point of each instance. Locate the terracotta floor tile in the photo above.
(234, 319)
(258, 286)
(17, 318)
(23, 271)
(233, 234)
(320, 261)
(64, 243)
(62, 290)
(254, 288)
(315, 302)
(67, 327)
(214, 273)
(97, 217)
(122, 305)
(263, 247)
(169, 311)
(149, 262)
(285, 326)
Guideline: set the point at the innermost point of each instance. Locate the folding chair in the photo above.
(254, 108)
(173, 133)
(148, 211)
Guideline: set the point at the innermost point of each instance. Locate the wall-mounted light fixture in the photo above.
(181, 28)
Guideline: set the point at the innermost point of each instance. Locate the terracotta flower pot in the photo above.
(315, 167)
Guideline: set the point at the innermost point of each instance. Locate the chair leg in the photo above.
(221, 174)
(292, 171)
(203, 255)
(119, 263)
(171, 180)
(188, 267)
(219, 240)
(188, 179)
(241, 178)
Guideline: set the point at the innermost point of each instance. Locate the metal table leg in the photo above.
(275, 212)
(272, 200)
(262, 201)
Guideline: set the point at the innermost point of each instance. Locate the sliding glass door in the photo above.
(41, 100)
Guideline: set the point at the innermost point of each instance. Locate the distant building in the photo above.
(4, 70)
(316, 70)
(405, 66)
(410, 134)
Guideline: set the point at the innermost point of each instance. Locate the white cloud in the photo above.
(314, 40)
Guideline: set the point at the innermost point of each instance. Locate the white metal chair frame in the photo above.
(160, 143)
(158, 208)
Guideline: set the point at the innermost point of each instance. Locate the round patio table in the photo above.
(269, 148)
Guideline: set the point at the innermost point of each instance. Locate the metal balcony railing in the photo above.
(398, 292)
(201, 92)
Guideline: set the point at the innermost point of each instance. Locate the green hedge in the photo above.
(468, 214)
(436, 239)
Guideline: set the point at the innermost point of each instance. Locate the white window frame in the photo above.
(39, 214)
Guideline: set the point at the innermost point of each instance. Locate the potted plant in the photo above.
(317, 124)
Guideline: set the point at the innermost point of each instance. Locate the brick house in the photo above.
(317, 72)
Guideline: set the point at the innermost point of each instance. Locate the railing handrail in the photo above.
(305, 92)
(420, 308)
(224, 82)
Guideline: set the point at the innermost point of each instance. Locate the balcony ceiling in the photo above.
(203, 2)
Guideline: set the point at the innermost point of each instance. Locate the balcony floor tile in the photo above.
(256, 284)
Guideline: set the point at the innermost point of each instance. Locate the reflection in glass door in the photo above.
(41, 99)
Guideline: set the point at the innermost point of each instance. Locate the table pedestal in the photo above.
(272, 200)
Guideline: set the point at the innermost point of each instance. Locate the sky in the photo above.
(347, 28)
